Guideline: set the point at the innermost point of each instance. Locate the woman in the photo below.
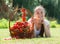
(41, 25)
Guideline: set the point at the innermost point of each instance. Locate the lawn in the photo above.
(55, 38)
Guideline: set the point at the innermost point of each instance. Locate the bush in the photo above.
(53, 26)
(5, 23)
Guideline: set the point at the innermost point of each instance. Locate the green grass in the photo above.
(55, 38)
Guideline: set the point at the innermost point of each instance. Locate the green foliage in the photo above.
(52, 6)
(5, 23)
(29, 4)
(54, 24)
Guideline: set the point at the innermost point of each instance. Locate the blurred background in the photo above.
(9, 12)
(9, 8)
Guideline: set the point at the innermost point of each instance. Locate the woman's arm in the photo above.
(47, 28)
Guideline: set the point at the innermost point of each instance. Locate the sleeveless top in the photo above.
(40, 31)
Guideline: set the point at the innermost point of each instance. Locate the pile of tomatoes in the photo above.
(19, 29)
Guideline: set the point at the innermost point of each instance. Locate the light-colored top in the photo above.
(46, 26)
(37, 32)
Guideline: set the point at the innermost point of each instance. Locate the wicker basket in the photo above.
(21, 29)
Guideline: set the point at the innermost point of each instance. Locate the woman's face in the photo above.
(38, 13)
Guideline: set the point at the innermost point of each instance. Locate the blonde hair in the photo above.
(41, 8)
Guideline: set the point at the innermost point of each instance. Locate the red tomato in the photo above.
(23, 10)
(15, 26)
(18, 23)
(20, 30)
(17, 37)
(22, 23)
(23, 14)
